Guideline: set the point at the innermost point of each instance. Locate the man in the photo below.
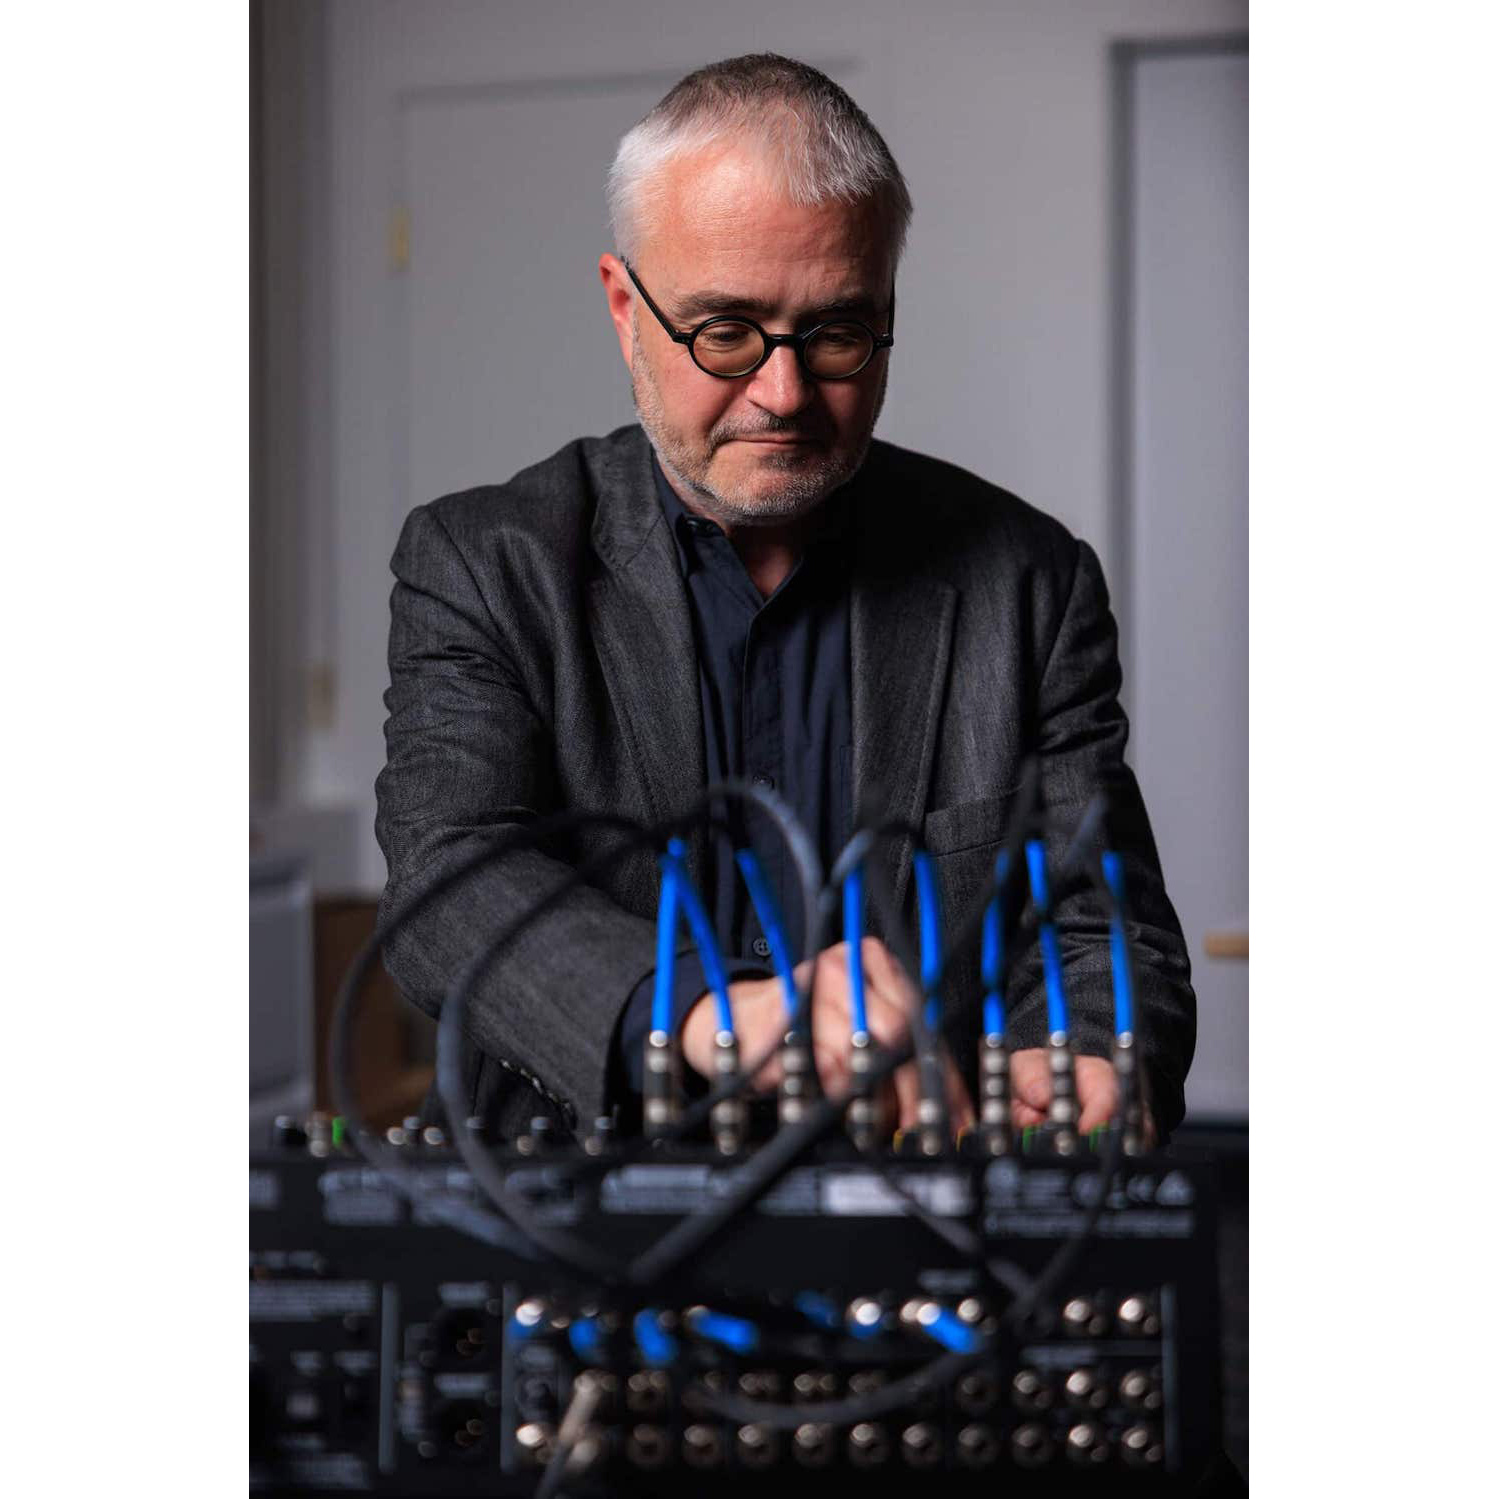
(746, 584)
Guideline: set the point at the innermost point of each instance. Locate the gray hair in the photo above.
(817, 143)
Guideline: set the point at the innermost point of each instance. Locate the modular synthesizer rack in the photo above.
(392, 1353)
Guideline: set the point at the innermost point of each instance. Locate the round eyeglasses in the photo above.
(729, 348)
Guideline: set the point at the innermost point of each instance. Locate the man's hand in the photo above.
(1097, 1091)
(760, 1018)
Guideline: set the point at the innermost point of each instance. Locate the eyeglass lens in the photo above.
(734, 348)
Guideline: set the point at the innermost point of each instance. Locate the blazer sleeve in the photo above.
(1081, 732)
(468, 756)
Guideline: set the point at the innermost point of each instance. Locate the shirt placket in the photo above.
(762, 717)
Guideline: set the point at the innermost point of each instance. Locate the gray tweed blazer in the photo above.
(541, 658)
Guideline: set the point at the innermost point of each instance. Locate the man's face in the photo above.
(765, 448)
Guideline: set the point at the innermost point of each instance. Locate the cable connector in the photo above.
(657, 1347)
(728, 1117)
(1126, 1056)
(1058, 1136)
(866, 1317)
(995, 1134)
(942, 1325)
(861, 1108)
(661, 1094)
(1131, 1095)
(933, 1126)
(736, 1334)
(799, 1087)
(933, 1133)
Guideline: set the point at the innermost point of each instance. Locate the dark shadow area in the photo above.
(1229, 1146)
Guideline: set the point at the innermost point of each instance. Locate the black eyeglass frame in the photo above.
(772, 341)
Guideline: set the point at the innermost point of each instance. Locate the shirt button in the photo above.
(761, 779)
(760, 947)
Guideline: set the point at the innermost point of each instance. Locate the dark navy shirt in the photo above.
(773, 680)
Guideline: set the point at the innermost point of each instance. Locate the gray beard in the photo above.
(806, 485)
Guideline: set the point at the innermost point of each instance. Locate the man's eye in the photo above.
(725, 336)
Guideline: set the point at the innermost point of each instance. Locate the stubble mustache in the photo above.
(772, 426)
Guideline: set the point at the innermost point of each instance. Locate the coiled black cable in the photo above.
(759, 1174)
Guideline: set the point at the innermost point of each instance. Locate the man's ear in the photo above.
(621, 295)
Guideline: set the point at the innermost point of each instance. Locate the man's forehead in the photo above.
(723, 229)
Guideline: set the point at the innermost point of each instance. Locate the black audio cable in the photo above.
(774, 1159)
(463, 1216)
(755, 1178)
(898, 939)
(389, 1161)
(925, 966)
(568, 1248)
(799, 1080)
(848, 877)
(767, 1167)
(699, 1227)
(948, 1367)
(777, 1156)
(789, 1144)
(1005, 1274)
(572, 1432)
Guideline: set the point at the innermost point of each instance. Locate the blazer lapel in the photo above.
(900, 626)
(642, 628)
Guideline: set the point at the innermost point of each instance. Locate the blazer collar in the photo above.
(626, 512)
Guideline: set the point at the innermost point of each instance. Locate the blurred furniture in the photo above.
(390, 1045)
(1227, 944)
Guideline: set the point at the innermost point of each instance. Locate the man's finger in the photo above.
(1030, 1078)
(907, 1094)
(769, 1076)
(882, 968)
(831, 1026)
(832, 1068)
(887, 1019)
(1097, 1093)
(959, 1105)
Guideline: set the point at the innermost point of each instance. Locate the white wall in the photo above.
(1184, 492)
(999, 114)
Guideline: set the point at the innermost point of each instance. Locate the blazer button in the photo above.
(761, 779)
(760, 947)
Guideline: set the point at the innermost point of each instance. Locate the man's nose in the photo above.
(780, 386)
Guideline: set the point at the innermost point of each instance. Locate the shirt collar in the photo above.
(835, 515)
(678, 517)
